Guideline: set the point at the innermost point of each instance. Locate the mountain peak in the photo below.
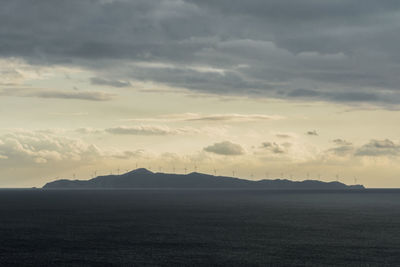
(140, 171)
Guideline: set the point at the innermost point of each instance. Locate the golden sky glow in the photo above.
(134, 83)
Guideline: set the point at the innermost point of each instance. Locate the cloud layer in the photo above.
(337, 51)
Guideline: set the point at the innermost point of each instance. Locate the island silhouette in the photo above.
(143, 178)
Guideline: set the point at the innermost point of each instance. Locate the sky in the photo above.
(257, 89)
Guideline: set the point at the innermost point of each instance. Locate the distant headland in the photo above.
(143, 178)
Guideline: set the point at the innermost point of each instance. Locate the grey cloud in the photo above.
(129, 154)
(341, 142)
(342, 148)
(113, 83)
(234, 117)
(227, 117)
(284, 136)
(384, 147)
(276, 148)
(225, 148)
(374, 148)
(341, 96)
(81, 95)
(303, 93)
(313, 132)
(264, 48)
(91, 96)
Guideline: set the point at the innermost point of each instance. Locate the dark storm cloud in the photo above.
(340, 51)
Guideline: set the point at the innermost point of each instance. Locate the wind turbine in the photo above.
(233, 173)
(215, 172)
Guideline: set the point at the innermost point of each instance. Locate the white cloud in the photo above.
(37, 147)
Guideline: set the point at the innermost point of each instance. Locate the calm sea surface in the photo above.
(199, 228)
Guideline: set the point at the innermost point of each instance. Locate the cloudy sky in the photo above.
(257, 88)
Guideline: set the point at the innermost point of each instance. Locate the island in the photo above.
(143, 178)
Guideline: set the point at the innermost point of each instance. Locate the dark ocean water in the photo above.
(199, 228)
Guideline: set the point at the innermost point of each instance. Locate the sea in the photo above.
(224, 227)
